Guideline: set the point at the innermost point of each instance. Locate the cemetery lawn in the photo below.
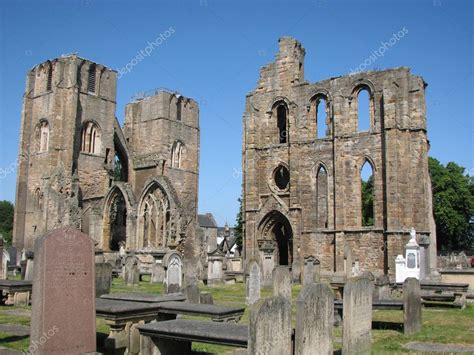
(440, 325)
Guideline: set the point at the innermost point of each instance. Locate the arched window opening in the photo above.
(177, 155)
(321, 118)
(282, 124)
(44, 136)
(90, 140)
(322, 198)
(38, 199)
(363, 110)
(91, 79)
(155, 224)
(49, 80)
(367, 194)
(276, 228)
(118, 222)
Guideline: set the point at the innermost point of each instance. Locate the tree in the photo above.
(238, 228)
(6, 220)
(453, 205)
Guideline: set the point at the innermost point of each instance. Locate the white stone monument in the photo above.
(410, 265)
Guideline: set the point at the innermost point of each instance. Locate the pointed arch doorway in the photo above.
(275, 227)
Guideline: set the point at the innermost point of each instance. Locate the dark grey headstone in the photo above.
(192, 293)
(282, 282)
(206, 298)
(411, 306)
(103, 278)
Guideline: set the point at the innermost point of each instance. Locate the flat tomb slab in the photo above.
(143, 297)
(16, 285)
(114, 308)
(201, 331)
(193, 309)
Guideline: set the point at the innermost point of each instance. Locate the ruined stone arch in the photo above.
(275, 228)
(357, 87)
(160, 219)
(118, 214)
(316, 97)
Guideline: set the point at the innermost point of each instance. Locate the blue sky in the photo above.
(214, 56)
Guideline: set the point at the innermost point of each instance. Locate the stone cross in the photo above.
(63, 311)
(411, 306)
(270, 327)
(357, 316)
(253, 283)
(282, 282)
(315, 318)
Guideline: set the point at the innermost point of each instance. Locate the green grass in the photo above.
(444, 325)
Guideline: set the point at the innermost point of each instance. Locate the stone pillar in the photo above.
(270, 327)
(315, 318)
(282, 282)
(411, 306)
(357, 316)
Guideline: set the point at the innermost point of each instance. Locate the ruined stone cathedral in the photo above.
(303, 153)
(135, 186)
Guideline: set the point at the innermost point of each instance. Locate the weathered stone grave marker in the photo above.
(270, 327)
(192, 294)
(253, 283)
(309, 270)
(282, 282)
(315, 318)
(411, 306)
(103, 278)
(131, 272)
(173, 272)
(63, 312)
(357, 316)
(157, 273)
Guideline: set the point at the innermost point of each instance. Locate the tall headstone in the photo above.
(357, 316)
(131, 272)
(103, 278)
(411, 306)
(270, 327)
(30, 264)
(315, 318)
(157, 274)
(296, 271)
(268, 262)
(173, 273)
(282, 282)
(309, 270)
(63, 312)
(253, 283)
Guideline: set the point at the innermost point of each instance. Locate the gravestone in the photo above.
(382, 288)
(206, 298)
(157, 274)
(63, 311)
(103, 279)
(4, 264)
(173, 273)
(30, 263)
(13, 255)
(131, 273)
(357, 316)
(192, 294)
(282, 282)
(411, 306)
(270, 327)
(315, 318)
(268, 262)
(253, 283)
(309, 270)
(296, 271)
(215, 264)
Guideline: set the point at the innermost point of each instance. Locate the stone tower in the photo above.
(302, 183)
(66, 145)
